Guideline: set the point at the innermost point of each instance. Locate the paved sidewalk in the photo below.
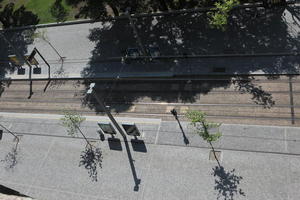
(260, 162)
(96, 49)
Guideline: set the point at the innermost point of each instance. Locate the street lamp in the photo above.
(105, 108)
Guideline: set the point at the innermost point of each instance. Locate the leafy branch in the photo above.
(219, 18)
(203, 128)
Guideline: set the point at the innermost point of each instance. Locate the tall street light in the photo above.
(105, 108)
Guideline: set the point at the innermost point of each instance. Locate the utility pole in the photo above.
(105, 108)
(111, 117)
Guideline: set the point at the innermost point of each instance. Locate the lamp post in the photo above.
(107, 111)
(35, 49)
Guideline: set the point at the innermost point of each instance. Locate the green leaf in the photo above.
(202, 127)
(219, 18)
(72, 120)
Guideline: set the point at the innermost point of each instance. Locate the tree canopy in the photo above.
(218, 13)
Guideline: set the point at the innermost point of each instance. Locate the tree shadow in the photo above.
(254, 32)
(15, 42)
(12, 17)
(11, 159)
(3, 85)
(59, 78)
(259, 96)
(227, 183)
(91, 159)
(90, 8)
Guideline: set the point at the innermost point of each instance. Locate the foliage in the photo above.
(91, 158)
(72, 120)
(58, 11)
(41, 34)
(218, 18)
(203, 127)
(11, 16)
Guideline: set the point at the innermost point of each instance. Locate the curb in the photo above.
(84, 21)
(148, 77)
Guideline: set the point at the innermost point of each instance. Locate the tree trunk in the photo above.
(213, 149)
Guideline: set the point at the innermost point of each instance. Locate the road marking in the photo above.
(285, 141)
(88, 118)
(157, 134)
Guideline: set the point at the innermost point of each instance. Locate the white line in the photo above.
(285, 141)
(157, 134)
(88, 118)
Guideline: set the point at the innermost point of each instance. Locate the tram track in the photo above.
(221, 99)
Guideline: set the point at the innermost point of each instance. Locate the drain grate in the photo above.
(19, 137)
(218, 155)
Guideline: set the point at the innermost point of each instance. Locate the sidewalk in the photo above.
(254, 138)
(97, 50)
(263, 162)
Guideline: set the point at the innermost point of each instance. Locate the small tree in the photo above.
(42, 35)
(72, 121)
(91, 157)
(203, 128)
(219, 18)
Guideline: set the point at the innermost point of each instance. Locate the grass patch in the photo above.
(41, 8)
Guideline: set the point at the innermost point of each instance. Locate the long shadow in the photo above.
(250, 31)
(227, 183)
(137, 181)
(259, 96)
(185, 139)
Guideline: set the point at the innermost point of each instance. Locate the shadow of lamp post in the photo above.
(115, 123)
